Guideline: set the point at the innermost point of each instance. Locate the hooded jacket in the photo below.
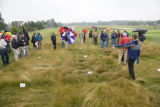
(133, 49)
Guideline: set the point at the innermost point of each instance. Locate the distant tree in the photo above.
(3, 25)
(158, 22)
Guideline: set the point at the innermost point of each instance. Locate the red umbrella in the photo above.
(85, 31)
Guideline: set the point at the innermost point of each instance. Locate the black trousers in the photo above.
(95, 41)
(131, 68)
(54, 45)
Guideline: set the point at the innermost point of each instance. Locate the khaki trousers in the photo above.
(121, 53)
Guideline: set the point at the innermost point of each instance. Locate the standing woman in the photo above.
(90, 36)
(15, 46)
(34, 40)
(39, 40)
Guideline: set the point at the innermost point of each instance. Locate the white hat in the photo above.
(14, 36)
(124, 34)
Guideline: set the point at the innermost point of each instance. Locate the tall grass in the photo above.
(60, 77)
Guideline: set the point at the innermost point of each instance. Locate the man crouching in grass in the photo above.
(133, 53)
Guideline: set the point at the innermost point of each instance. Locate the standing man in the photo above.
(4, 51)
(39, 40)
(81, 37)
(126, 33)
(107, 39)
(133, 53)
(90, 37)
(21, 41)
(26, 40)
(113, 38)
(53, 38)
(15, 47)
(103, 39)
(95, 36)
(123, 51)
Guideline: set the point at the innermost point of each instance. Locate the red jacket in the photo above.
(124, 40)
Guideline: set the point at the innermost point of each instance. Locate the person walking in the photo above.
(95, 36)
(81, 37)
(53, 38)
(4, 51)
(133, 54)
(123, 51)
(103, 38)
(34, 40)
(90, 37)
(39, 40)
(113, 38)
(15, 46)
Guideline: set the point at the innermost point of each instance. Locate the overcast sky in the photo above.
(80, 10)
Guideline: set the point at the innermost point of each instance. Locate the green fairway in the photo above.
(59, 78)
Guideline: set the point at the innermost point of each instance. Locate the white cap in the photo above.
(124, 34)
(14, 36)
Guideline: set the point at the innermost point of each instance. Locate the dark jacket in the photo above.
(103, 36)
(90, 34)
(53, 38)
(15, 44)
(26, 37)
(66, 37)
(21, 41)
(142, 37)
(133, 49)
(33, 39)
(113, 36)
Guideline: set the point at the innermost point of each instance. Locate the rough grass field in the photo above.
(60, 77)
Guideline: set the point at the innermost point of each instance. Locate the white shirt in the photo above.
(3, 44)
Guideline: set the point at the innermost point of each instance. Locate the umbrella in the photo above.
(70, 35)
(107, 30)
(85, 31)
(1, 32)
(7, 36)
(140, 30)
(63, 29)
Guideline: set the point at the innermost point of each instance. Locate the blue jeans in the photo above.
(102, 43)
(113, 42)
(5, 56)
(107, 42)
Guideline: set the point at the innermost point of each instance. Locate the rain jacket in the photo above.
(133, 49)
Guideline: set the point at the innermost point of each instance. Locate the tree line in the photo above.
(116, 22)
(15, 26)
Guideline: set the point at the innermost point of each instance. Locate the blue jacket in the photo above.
(103, 36)
(133, 49)
(113, 36)
(38, 37)
(127, 34)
